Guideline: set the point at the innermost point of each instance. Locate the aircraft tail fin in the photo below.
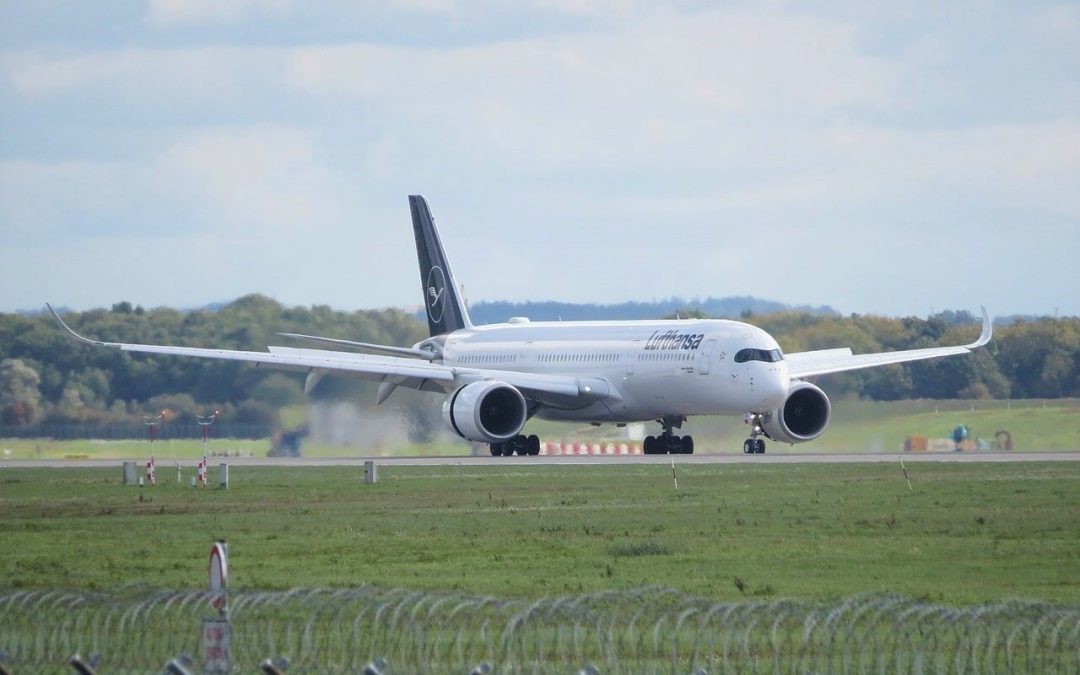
(446, 312)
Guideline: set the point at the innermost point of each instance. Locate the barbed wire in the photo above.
(652, 630)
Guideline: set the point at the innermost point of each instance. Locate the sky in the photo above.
(886, 158)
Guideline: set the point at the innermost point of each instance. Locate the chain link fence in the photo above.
(648, 630)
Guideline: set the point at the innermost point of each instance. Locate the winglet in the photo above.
(987, 331)
(76, 335)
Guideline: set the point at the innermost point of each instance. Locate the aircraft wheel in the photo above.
(496, 449)
(759, 446)
(534, 444)
(687, 445)
(749, 446)
(520, 445)
(649, 445)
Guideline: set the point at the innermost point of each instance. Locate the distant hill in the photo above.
(500, 311)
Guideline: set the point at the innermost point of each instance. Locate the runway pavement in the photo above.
(769, 458)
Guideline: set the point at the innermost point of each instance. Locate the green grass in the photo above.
(966, 534)
(188, 450)
(873, 426)
(857, 426)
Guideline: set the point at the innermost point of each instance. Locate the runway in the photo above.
(582, 460)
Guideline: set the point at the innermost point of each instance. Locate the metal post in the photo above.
(80, 666)
(174, 667)
(370, 475)
(130, 477)
(152, 423)
(205, 423)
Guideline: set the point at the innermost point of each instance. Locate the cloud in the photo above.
(231, 181)
(172, 13)
(259, 179)
(686, 85)
(807, 126)
(41, 200)
(178, 78)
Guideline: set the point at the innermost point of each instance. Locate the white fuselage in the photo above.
(653, 368)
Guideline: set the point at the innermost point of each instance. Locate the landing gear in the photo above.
(754, 445)
(667, 442)
(520, 444)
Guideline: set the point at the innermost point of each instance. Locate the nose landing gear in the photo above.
(667, 442)
(754, 445)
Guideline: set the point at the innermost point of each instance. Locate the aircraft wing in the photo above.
(365, 346)
(824, 362)
(393, 370)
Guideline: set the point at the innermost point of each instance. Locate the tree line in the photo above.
(1037, 358)
(47, 377)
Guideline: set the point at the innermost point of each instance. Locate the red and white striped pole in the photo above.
(151, 424)
(205, 423)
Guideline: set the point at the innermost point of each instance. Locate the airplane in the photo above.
(496, 377)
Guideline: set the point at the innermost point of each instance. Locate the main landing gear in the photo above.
(667, 442)
(754, 445)
(522, 445)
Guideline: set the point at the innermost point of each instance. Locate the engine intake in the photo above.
(486, 412)
(803, 416)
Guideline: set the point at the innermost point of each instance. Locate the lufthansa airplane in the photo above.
(496, 377)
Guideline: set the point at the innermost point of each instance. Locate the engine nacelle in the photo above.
(803, 416)
(486, 412)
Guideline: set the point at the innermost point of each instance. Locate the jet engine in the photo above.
(803, 416)
(486, 412)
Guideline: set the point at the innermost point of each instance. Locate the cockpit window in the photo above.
(767, 355)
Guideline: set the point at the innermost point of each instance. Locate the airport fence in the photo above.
(648, 630)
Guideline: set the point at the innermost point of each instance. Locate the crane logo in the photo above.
(435, 295)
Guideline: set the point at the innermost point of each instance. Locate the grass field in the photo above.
(190, 450)
(857, 426)
(965, 534)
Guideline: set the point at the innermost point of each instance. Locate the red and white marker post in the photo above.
(217, 632)
(219, 575)
(151, 426)
(205, 423)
